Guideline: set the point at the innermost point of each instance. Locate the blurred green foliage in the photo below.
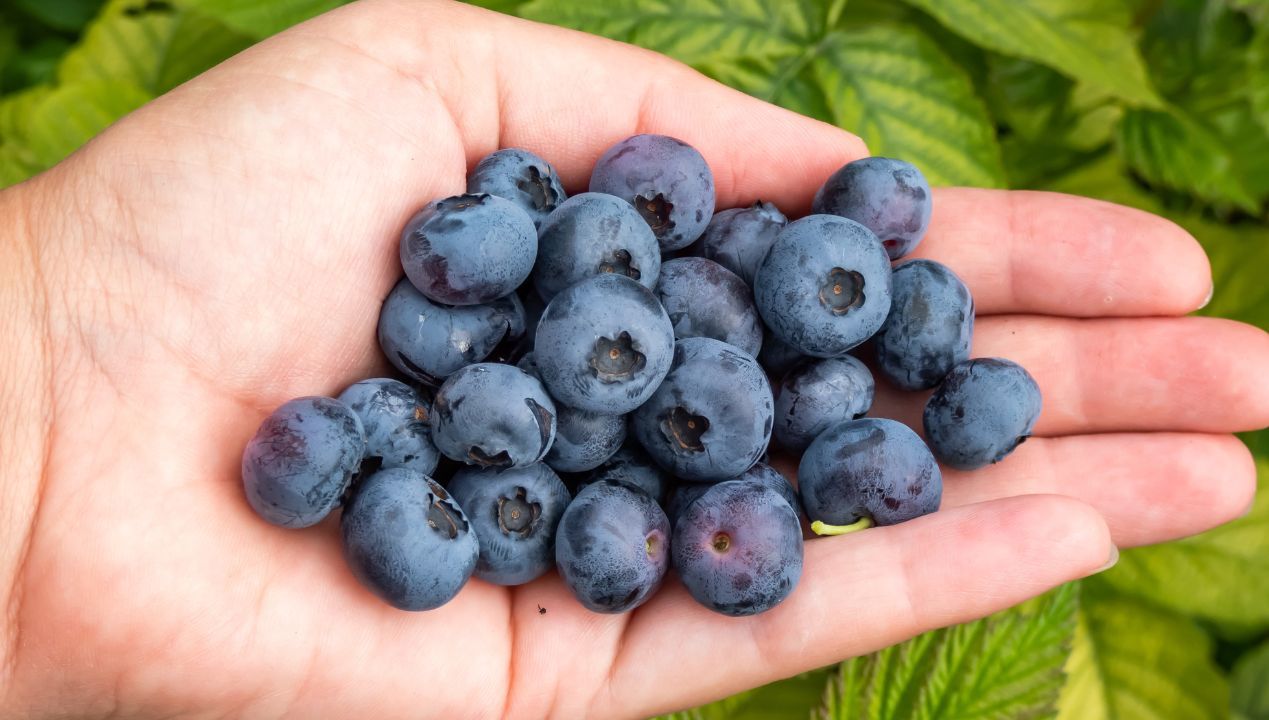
(1158, 104)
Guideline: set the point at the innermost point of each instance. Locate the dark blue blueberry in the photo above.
(871, 469)
(705, 299)
(738, 548)
(429, 342)
(521, 177)
(299, 463)
(929, 327)
(774, 479)
(468, 249)
(666, 180)
(407, 541)
(683, 496)
(711, 418)
(739, 238)
(818, 394)
(584, 440)
(778, 357)
(514, 514)
(604, 345)
(983, 410)
(631, 465)
(612, 548)
(889, 197)
(592, 234)
(494, 416)
(395, 419)
(521, 323)
(825, 285)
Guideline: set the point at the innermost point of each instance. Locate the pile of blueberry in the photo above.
(590, 386)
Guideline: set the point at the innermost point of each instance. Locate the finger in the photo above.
(1054, 254)
(568, 96)
(1191, 374)
(1150, 487)
(857, 594)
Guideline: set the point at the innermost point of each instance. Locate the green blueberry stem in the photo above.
(822, 528)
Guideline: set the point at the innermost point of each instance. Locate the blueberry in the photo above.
(430, 342)
(612, 547)
(395, 419)
(705, 299)
(825, 285)
(738, 548)
(494, 416)
(778, 357)
(468, 249)
(584, 440)
(521, 177)
(604, 345)
(889, 197)
(872, 470)
(683, 496)
(301, 460)
(632, 466)
(818, 394)
(739, 238)
(983, 410)
(774, 479)
(591, 234)
(514, 514)
(407, 541)
(711, 418)
(929, 327)
(666, 180)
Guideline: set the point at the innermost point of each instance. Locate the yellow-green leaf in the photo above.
(261, 18)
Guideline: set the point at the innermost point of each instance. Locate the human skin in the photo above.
(226, 248)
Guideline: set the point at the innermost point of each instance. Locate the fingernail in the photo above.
(1211, 289)
(1114, 558)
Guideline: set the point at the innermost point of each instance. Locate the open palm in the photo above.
(227, 248)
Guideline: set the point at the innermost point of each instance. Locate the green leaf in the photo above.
(1171, 149)
(1088, 40)
(1008, 665)
(259, 19)
(71, 115)
(795, 697)
(154, 51)
(1251, 685)
(893, 87)
(694, 31)
(1258, 76)
(64, 15)
(1222, 575)
(1134, 662)
(509, 7)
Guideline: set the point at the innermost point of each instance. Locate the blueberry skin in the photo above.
(584, 440)
(666, 180)
(604, 345)
(684, 495)
(612, 547)
(514, 514)
(521, 177)
(739, 238)
(711, 418)
(825, 285)
(984, 409)
(890, 197)
(407, 540)
(705, 299)
(929, 328)
(873, 468)
(395, 419)
(818, 394)
(494, 416)
(591, 234)
(301, 460)
(632, 466)
(468, 249)
(429, 342)
(778, 357)
(738, 548)
(774, 479)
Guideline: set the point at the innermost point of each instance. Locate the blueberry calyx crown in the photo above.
(842, 291)
(620, 263)
(516, 515)
(685, 429)
(479, 456)
(444, 518)
(615, 360)
(656, 212)
(538, 188)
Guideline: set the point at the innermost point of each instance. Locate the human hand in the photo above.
(227, 247)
